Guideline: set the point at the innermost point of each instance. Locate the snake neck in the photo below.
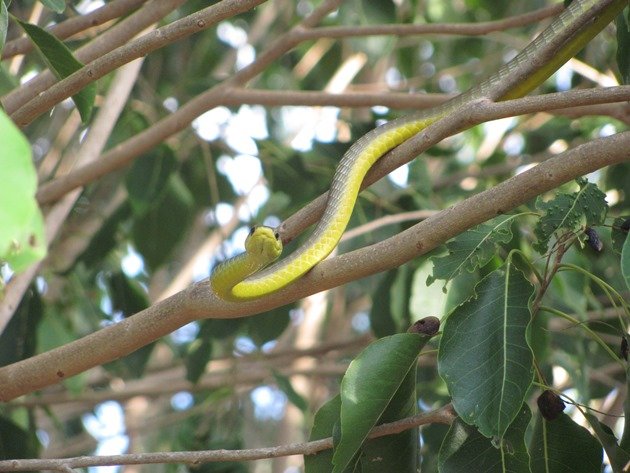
(229, 273)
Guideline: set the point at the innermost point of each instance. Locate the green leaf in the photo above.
(397, 452)
(323, 425)
(561, 445)
(472, 249)
(619, 233)
(484, 357)
(146, 180)
(127, 295)
(625, 437)
(369, 385)
(19, 338)
(465, 449)
(8, 82)
(16, 442)
(22, 239)
(381, 320)
(617, 456)
(61, 61)
(4, 24)
(158, 231)
(567, 213)
(56, 5)
(285, 385)
(625, 262)
(263, 328)
(623, 46)
(199, 352)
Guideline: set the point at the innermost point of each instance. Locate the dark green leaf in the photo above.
(625, 437)
(200, 350)
(381, 320)
(369, 385)
(263, 328)
(16, 442)
(561, 445)
(472, 249)
(147, 178)
(106, 239)
(625, 262)
(157, 232)
(623, 47)
(56, 5)
(397, 452)
(8, 81)
(323, 424)
(617, 456)
(484, 357)
(127, 295)
(567, 213)
(465, 449)
(19, 338)
(620, 232)
(62, 62)
(294, 398)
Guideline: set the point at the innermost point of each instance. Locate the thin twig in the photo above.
(444, 415)
(127, 151)
(469, 29)
(117, 35)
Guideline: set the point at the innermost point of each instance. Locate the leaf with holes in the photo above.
(472, 249)
(567, 213)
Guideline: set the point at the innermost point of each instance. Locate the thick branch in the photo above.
(443, 415)
(198, 301)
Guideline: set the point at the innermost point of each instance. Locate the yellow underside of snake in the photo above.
(244, 277)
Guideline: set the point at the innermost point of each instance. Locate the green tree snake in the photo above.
(244, 277)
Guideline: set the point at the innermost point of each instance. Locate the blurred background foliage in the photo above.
(168, 218)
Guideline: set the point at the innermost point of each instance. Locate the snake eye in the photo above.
(277, 235)
(252, 229)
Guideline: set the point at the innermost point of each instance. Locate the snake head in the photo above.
(264, 242)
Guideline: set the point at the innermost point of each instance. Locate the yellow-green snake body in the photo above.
(243, 277)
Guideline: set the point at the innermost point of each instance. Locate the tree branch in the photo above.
(468, 29)
(74, 25)
(198, 301)
(444, 415)
(126, 152)
(117, 35)
(137, 48)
